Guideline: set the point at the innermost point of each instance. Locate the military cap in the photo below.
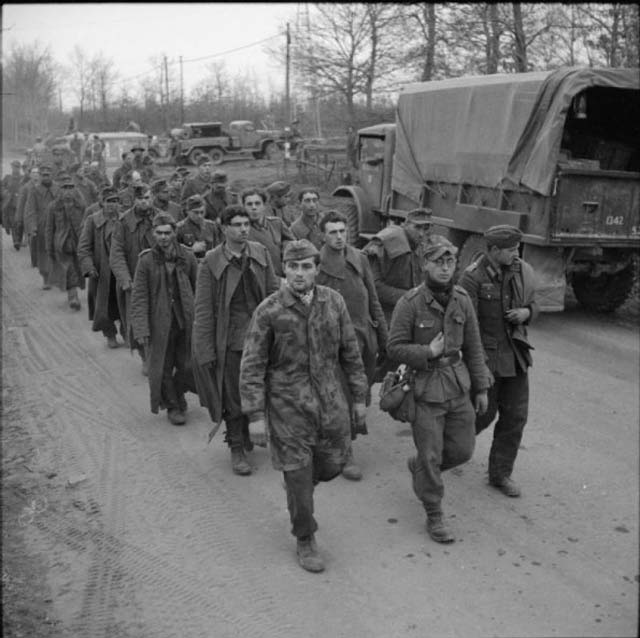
(16, 163)
(419, 216)
(195, 202)
(503, 236)
(45, 167)
(219, 177)
(439, 246)
(203, 159)
(107, 192)
(140, 191)
(163, 219)
(64, 179)
(158, 185)
(278, 188)
(299, 249)
(183, 170)
(137, 147)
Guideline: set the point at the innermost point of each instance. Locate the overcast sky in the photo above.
(131, 34)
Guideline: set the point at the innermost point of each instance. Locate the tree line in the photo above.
(347, 61)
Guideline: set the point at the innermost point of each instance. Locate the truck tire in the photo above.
(605, 293)
(217, 156)
(194, 155)
(272, 152)
(349, 209)
(472, 248)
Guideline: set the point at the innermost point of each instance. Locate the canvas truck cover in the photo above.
(483, 130)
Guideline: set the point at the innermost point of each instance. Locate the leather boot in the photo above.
(438, 529)
(112, 342)
(239, 463)
(308, 556)
(506, 485)
(351, 470)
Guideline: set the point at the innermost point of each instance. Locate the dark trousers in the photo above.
(509, 399)
(300, 484)
(444, 438)
(173, 371)
(237, 423)
(113, 312)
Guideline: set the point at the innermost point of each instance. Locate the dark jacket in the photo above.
(304, 228)
(395, 264)
(214, 289)
(151, 310)
(493, 291)
(188, 232)
(416, 320)
(272, 234)
(93, 252)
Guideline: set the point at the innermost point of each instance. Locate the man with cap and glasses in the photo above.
(132, 234)
(271, 232)
(93, 253)
(233, 279)
(162, 201)
(63, 227)
(502, 288)
(279, 194)
(39, 198)
(306, 225)
(298, 340)
(434, 332)
(195, 231)
(162, 316)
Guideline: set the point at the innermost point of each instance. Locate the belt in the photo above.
(443, 362)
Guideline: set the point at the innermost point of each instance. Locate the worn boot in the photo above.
(72, 296)
(308, 556)
(176, 417)
(239, 462)
(351, 470)
(506, 485)
(438, 529)
(112, 342)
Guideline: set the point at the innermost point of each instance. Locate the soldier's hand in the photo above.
(126, 286)
(481, 402)
(437, 345)
(359, 417)
(258, 432)
(517, 315)
(93, 273)
(144, 342)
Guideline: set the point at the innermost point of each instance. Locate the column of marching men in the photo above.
(267, 312)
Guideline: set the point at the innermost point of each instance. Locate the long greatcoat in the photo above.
(35, 219)
(93, 252)
(214, 290)
(151, 308)
(290, 372)
(62, 237)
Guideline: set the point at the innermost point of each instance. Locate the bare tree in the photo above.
(104, 77)
(80, 75)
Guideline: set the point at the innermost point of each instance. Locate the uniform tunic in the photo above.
(272, 233)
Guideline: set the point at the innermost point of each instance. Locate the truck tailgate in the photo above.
(600, 205)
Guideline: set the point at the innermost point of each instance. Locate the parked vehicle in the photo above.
(556, 154)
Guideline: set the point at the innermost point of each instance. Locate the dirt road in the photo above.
(118, 525)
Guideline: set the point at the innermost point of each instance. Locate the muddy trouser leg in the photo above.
(444, 438)
(16, 234)
(167, 388)
(113, 312)
(511, 397)
(33, 250)
(236, 422)
(299, 484)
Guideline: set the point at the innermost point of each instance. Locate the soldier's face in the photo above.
(504, 256)
(309, 204)
(301, 274)
(237, 230)
(205, 169)
(254, 206)
(164, 235)
(441, 269)
(143, 202)
(163, 194)
(67, 192)
(110, 206)
(35, 175)
(45, 178)
(335, 235)
(418, 233)
(196, 215)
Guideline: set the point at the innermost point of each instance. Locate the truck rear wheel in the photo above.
(605, 293)
(472, 248)
(349, 209)
(195, 155)
(217, 156)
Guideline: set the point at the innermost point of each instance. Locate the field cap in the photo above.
(219, 177)
(278, 188)
(108, 192)
(299, 249)
(419, 216)
(503, 236)
(140, 191)
(163, 219)
(439, 246)
(158, 185)
(195, 202)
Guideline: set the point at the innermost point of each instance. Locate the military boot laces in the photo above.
(239, 463)
(308, 556)
(438, 529)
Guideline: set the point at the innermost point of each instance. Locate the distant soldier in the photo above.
(502, 288)
(11, 184)
(93, 253)
(195, 231)
(85, 186)
(162, 201)
(132, 234)
(176, 180)
(200, 183)
(219, 197)
(59, 161)
(347, 271)
(271, 232)
(279, 194)
(62, 236)
(306, 225)
(35, 218)
(138, 157)
(299, 340)
(148, 171)
(76, 147)
(162, 316)
(126, 168)
(232, 280)
(127, 194)
(29, 181)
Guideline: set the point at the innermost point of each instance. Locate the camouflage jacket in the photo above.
(290, 371)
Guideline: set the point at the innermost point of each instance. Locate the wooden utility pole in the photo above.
(166, 92)
(181, 93)
(287, 98)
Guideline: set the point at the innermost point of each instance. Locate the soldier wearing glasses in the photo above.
(435, 332)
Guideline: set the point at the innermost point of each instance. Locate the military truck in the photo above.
(240, 140)
(556, 154)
